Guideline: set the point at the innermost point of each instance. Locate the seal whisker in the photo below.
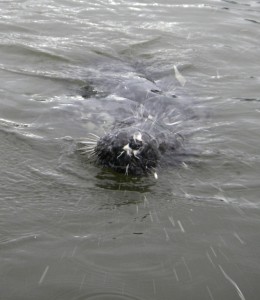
(120, 154)
(87, 148)
(91, 139)
(126, 170)
(94, 135)
(87, 151)
(89, 142)
(91, 154)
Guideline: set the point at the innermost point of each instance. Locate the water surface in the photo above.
(71, 230)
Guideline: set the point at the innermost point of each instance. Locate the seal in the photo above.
(148, 136)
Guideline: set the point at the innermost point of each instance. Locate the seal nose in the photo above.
(135, 144)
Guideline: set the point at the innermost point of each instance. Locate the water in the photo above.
(70, 230)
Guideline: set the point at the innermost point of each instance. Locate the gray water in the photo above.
(72, 230)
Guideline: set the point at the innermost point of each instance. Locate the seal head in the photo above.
(129, 152)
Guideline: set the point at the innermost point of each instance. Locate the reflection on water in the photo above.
(114, 181)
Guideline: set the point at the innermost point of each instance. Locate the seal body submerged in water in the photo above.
(148, 132)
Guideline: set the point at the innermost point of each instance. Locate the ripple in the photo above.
(26, 237)
(108, 296)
